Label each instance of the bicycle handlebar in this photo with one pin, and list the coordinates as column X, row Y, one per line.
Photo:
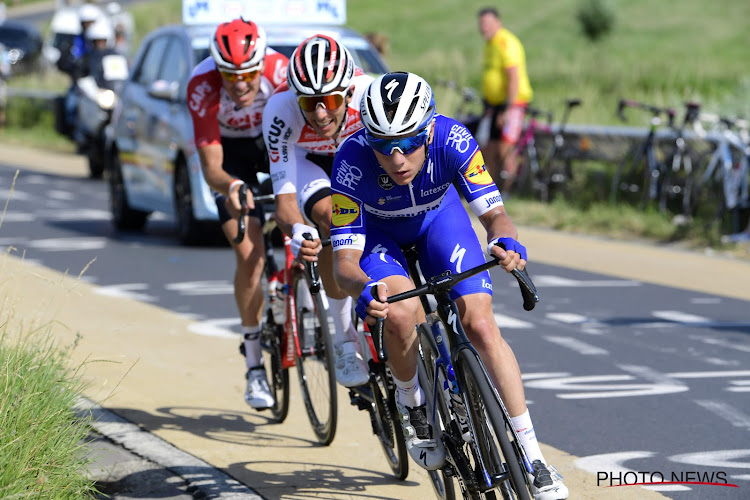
column 446, row 281
column 654, row 110
column 243, row 203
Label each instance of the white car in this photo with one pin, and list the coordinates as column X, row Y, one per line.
column 152, row 162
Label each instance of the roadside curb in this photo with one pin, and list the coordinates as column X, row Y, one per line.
column 203, row 480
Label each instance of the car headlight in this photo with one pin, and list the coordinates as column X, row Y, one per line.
column 106, row 99
column 15, row 55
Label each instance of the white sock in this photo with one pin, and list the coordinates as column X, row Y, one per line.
column 341, row 312
column 253, row 351
column 527, row 436
column 410, row 393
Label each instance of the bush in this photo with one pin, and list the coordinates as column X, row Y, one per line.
column 596, row 19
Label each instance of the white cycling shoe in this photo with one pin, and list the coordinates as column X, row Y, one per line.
column 423, row 443
column 258, row 393
column 351, row 370
column 546, row 482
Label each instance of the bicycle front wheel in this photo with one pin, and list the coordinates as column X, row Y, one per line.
column 387, row 427
column 315, row 360
column 271, row 342
column 498, row 460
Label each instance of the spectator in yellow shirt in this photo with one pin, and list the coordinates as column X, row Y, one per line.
column 506, row 92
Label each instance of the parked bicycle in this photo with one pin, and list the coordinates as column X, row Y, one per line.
column 297, row 332
column 482, row 449
column 636, row 179
column 556, row 171
column 721, row 186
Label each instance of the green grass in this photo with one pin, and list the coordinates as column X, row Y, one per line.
column 41, row 450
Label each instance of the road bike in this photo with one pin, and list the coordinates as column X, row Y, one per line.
column 296, row 332
column 677, row 179
column 722, row 184
column 482, row 449
column 636, row 179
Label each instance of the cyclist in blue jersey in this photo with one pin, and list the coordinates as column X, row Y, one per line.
column 407, row 159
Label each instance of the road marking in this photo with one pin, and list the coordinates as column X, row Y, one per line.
column 726, row 411
column 126, row 291
column 79, row 215
column 16, row 217
column 504, row 321
column 215, row 287
column 216, row 328
column 559, row 281
column 681, row 317
column 603, row 386
column 576, row 345
column 68, row 244
column 721, row 343
column 740, row 386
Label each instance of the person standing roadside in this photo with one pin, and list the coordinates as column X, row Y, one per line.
column 506, row 92
column 226, row 96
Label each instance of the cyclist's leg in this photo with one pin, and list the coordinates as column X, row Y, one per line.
column 511, row 133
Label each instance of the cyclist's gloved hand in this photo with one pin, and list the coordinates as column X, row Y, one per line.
column 297, row 231
column 366, row 297
column 509, row 244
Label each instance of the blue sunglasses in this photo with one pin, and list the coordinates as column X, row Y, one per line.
column 405, row 146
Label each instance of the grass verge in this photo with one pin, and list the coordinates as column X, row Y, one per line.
column 41, row 437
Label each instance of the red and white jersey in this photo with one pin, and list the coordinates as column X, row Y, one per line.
column 213, row 110
column 289, row 138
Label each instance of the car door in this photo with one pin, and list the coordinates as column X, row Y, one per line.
column 169, row 120
column 134, row 126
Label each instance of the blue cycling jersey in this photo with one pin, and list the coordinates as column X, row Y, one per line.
column 363, row 195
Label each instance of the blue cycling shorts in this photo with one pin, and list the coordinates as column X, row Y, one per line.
column 448, row 242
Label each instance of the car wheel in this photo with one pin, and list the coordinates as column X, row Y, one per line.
column 123, row 217
column 189, row 229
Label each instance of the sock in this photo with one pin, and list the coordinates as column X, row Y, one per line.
column 410, row 393
column 527, row 436
column 253, row 351
column 341, row 312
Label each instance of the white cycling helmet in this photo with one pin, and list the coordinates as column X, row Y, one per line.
column 89, row 13
column 396, row 104
column 101, row 30
column 320, row 65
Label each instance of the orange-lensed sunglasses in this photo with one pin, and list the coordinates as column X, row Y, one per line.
column 245, row 76
column 331, row 101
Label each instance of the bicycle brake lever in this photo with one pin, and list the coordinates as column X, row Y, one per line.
column 528, row 289
column 242, row 193
column 312, row 270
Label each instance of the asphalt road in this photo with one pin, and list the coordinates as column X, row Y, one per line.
column 635, row 360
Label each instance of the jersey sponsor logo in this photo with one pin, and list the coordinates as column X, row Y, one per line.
column 348, row 240
column 345, row 210
column 385, row 181
column 348, row 175
column 459, row 138
column 477, row 173
column 436, row 190
column 274, row 133
column 388, row 198
column 198, row 96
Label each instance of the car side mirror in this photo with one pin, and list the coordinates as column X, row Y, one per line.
column 162, row 89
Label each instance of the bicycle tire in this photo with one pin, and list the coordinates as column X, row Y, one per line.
column 493, row 442
column 442, row 482
column 629, row 183
column 387, row 427
column 271, row 342
column 315, row 360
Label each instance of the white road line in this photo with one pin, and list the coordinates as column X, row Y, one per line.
column 721, row 343
column 559, row 281
column 215, row 287
column 126, row 291
column 576, row 345
column 726, row 411
column 681, row 317
column 216, row 328
column 504, row 321
column 68, row 244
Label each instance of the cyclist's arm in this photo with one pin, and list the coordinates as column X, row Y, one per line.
column 498, row 224
column 352, row 280
column 287, row 212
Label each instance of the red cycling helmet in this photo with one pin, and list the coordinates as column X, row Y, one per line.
column 238, row 46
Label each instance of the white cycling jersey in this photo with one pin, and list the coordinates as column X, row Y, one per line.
column 289, row 139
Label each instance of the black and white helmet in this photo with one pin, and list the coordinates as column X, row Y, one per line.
column 397, row 104
column 320, row 65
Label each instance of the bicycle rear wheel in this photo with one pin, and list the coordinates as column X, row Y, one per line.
column 498, row 460
column 271, row 342
column 632, row 179
column 315, row 360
